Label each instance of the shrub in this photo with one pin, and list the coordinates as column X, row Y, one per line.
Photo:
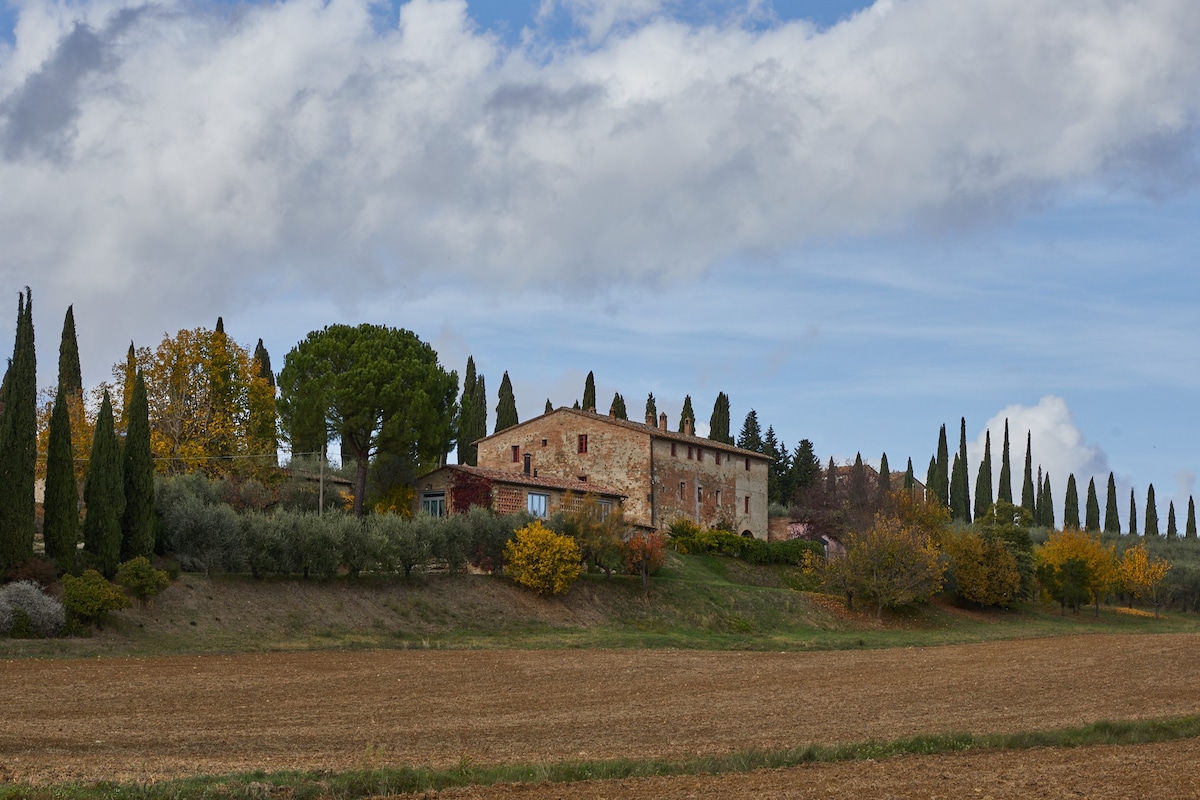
column 793, row 552
column 490, row 535
column 6, row 616
column 90, row 597
column 141, row 580
column 683, row 528
column 204, row 537
column 32, row 611
column 983, row 570
column 264, row 545
column 358, row 555
column 542, row 560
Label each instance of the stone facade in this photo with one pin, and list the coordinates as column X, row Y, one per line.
column 663, row 475
column 504, row 491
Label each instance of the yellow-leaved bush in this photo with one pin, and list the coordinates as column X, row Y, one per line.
column 542, row 560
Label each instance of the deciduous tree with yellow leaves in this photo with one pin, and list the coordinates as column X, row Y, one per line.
column 1074, row 562
column 1142, row 576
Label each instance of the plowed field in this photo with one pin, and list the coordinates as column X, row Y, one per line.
column 143, row 719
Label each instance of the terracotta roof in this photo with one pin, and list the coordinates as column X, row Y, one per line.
column 535, row 481
column 640, row 427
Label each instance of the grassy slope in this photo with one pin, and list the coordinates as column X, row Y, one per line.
column 697, row 602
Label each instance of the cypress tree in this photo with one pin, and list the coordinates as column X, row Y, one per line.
column 617, row 409
column 651, row 410
column 589, row 392
column 1151, row 528
column 1132, row 514
column 831, row 482
column 264, row 420
column 885, row 478
column 687, row 414
column 506, row 408
column 983, row 482
column 718, row 423
column 1004, row 492
column 104, row 495
column 941, row 488
column 1038, row 505
column 964, row 481
column 1092, row 522
column 70, row 377
column 18, row 442
column 931, row 479
column 958, row 503
column 910, row 480
column 576, row 406
column 858, row 483
column 137, row 519
column 549, row 407
column 1048, row 502
column 478, row 419
column 1112, row 523
column 1071, row 506
column 127, row 384
column 1190, row 531
column 751, row 436
column 60, row 523
column 1172, row 531
column 1027, row 487
column 466, row 412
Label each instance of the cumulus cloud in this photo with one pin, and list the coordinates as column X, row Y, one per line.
column 192, row 150
column 1058, row 447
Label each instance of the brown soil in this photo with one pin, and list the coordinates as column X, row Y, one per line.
column 143, row 719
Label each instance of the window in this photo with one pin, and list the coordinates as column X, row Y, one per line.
column 699, row 453
column 691, row 452
column 434, row 504
column 543, row 442
column 747, row 504
column 605, row 509
column 717, row 456
column 539, row 504
column 516, row 451
column 699, row 494
column 682, row 488
column 583, row 442
column 747, row 465
column 582, row 478
column 672, row 449
column 718, row 498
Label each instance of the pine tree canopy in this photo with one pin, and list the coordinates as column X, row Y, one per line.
column 750, row 437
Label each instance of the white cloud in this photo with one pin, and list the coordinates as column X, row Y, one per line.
column 198, row 155
column 1058, row 447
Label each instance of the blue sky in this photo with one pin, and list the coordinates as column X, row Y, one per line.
column 862, row 225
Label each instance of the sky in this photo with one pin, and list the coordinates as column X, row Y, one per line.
column 863, row 221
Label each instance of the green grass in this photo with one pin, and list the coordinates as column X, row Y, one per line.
column 408, row 780
column 697, row 602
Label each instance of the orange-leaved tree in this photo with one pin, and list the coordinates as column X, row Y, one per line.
column 644, row 554
column 1143, row 576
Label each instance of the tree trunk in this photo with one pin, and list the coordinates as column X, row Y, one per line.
column 360, row 483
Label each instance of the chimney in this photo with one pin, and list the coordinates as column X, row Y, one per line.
column 662, row 421
column 687, row 427
column 591, row 409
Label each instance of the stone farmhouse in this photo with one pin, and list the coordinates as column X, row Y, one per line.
column 655, row 474
column 453, row 489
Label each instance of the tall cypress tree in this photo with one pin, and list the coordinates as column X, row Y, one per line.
column 104, row 495
column 263, row 418
column 549, row 407
column 1071, row 506
column 958, row 503
column 687, row 414
column 1092, row 521
column 137, row 519
column 589, row 392
column 617, row 409
column 1132, row 513
column 506, row 408
column 18, row 442
column 1038, row 505
column 983, row 482
column 885, row 478
column 70, row 377
column 651, row 410
column 1190, row 531
column 127, row 384
column 1004, row 492
column 831, row 482
column 1112, row 523
column 1027, row 500
column 60, row 523
column 478, row 418
column 964, row 480
column 941, row 487
column 910, row 480
column 1151, row 513
column 931, row 479
column 718, row 423
column 858, row 483
column 1172, row 531
column 466, row 413
column 1047, row 504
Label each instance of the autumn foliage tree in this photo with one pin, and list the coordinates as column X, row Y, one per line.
column 644, row 554
column 1142, row 576
column 542, row 560
column 1073, row 563
column 984, row 569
